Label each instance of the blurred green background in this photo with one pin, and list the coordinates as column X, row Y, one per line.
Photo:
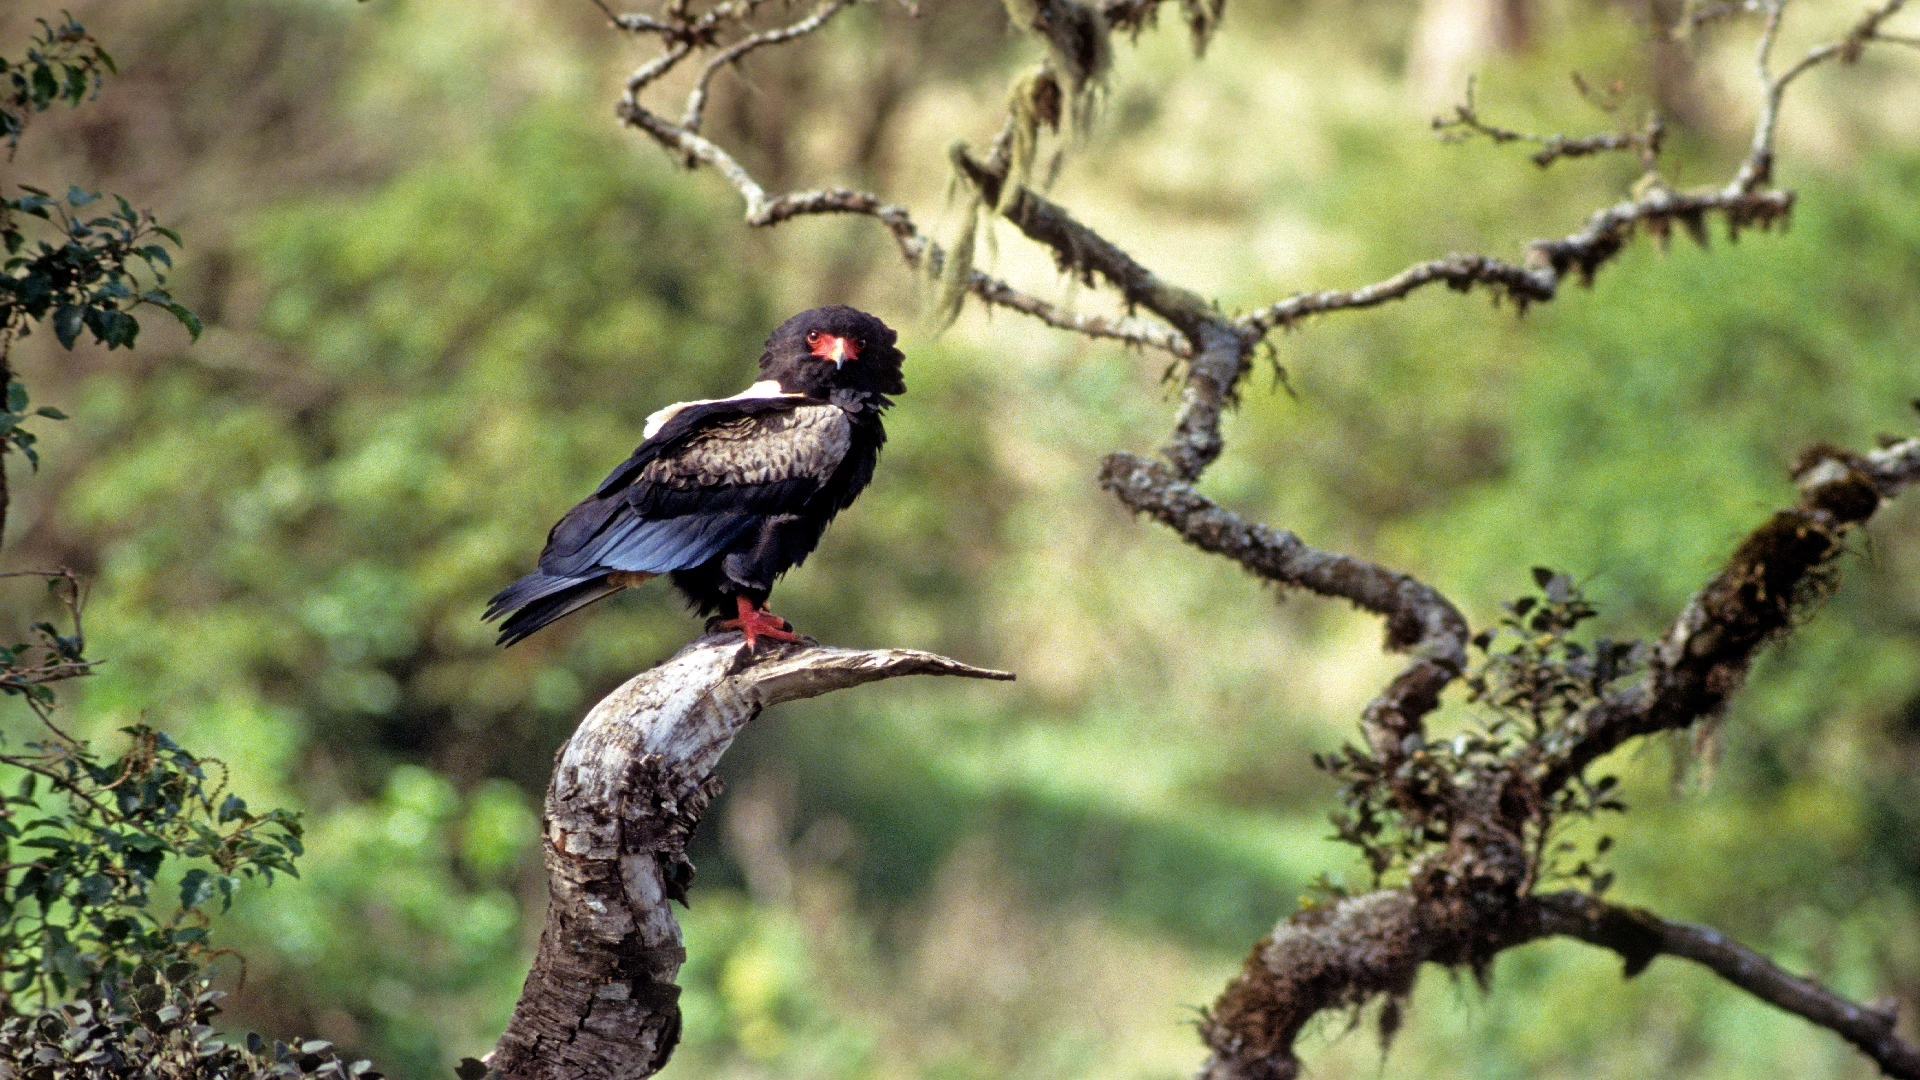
column 443, row 290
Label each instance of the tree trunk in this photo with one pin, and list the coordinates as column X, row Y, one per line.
column 627, row 790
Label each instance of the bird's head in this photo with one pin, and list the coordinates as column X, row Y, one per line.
column 833, row 348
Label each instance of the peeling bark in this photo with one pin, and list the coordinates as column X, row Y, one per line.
column 627, row 790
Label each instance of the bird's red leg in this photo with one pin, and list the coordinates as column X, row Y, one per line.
column 758, row 622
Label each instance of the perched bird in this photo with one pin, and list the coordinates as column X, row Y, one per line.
column 726, row 495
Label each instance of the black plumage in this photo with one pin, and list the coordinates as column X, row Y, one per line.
column 725, row 496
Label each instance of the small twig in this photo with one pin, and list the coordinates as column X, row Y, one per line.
column 1715, row 12
column 697, row 98
column 646, row 74
column 1466, row 122
column 1757, row 168
column 635, row 23
column 64, row 784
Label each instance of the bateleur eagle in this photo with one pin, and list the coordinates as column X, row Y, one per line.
column 725, row 495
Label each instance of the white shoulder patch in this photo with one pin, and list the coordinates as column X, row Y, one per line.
column 765, row 388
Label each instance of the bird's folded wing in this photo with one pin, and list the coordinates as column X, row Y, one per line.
column 687, row 502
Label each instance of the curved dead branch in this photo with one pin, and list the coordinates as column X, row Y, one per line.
column 1419, row 619
column 628, row 788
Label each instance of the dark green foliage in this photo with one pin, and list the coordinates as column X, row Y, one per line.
column 87, row 273
column 1529, row 691
column 84, row 838
column 1545, row 677
column 63, row 63
column 28, row 669
column 101, row 967
column 158, row 1027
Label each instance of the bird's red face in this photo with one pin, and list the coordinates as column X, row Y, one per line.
column 827, row 349
column 834, row 347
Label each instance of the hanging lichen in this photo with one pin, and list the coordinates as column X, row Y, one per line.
column 956, row 272
column 1078, row 50
column 1033, row 103
column 1203, row 18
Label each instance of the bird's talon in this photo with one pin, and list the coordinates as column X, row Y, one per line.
column 756, row 623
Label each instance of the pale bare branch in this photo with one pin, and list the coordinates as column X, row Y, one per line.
column 1757, row 168
column 628, row 789
column 697, row 98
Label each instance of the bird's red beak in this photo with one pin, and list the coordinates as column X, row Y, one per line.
column 835, row 348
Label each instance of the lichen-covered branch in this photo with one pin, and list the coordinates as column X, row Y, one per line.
column 1359, row 948
column 628, row 788
column 685, row 34
column 1776, row 570
column 1742, row 203
column 1458, row 272
column 1548, row 261
column 1467, row 900
column 1220, row 352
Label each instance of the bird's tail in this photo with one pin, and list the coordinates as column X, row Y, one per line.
column 537, row 599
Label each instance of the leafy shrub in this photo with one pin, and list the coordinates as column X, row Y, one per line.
column 156, row 1028
column 77, row 915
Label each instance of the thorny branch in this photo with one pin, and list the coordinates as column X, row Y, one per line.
column 1465, row 902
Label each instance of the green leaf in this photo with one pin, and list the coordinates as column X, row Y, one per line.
column 78, row 197
column 187, row 319
column 196, row 888
column 96, row 889
column 45, row 87
column 50, row 413
column 68, row 320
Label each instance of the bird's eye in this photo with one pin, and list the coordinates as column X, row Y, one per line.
column 813, row 337
column 859, row 343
